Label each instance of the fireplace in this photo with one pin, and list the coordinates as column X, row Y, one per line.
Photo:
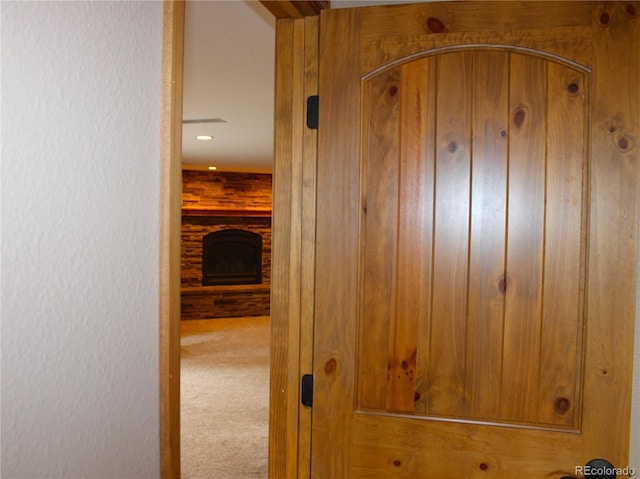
column 231, row 256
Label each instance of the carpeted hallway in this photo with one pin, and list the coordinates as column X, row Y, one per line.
column 224, row 398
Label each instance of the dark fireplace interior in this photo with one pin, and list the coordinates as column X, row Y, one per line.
column 231, row 256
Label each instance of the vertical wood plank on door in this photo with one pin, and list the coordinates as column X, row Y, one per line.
column 614, row 190
column 524, row 239
column 380, row 204
column 426, row 176
column 449, row 307
column 488, row 228
column 337, row 246
column 412, row 236
column 561, row 335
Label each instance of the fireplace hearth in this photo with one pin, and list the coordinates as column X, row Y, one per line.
column 231, row 257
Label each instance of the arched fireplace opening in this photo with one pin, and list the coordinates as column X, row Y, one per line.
column 231, row 256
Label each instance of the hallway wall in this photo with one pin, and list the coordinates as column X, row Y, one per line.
column 80, row 228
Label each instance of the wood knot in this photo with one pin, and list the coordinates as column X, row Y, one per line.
column 519, row 117
column 397, row 463
column 604, row 19
column 331, row 366
column 631, row 10
column 435, row 25
column 483, row 466
column 573, row 87
column 391, row 92
column 624, row 143
column 561, row 406
column 452, row 147
column 502, row 283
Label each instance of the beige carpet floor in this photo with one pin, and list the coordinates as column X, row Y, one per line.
column 224, row 400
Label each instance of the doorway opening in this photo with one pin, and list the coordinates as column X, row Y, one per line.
column 292, row 304
column 229, row 62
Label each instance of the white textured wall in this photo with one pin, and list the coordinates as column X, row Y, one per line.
column 80, row 224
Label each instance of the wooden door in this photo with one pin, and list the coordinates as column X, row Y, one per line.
column 476, row 239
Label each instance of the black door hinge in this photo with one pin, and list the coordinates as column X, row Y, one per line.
column 307, row 390
column 312, row 112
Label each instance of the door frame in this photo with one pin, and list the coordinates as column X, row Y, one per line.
column 293, row 223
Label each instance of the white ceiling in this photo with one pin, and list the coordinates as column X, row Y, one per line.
column 229, row 74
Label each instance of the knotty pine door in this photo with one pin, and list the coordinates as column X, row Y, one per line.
column 476, row 239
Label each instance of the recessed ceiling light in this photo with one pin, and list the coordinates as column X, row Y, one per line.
column 203, row 120
column 212, row 168
column 204, row 137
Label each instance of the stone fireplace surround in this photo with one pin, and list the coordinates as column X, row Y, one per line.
column 217, row 201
